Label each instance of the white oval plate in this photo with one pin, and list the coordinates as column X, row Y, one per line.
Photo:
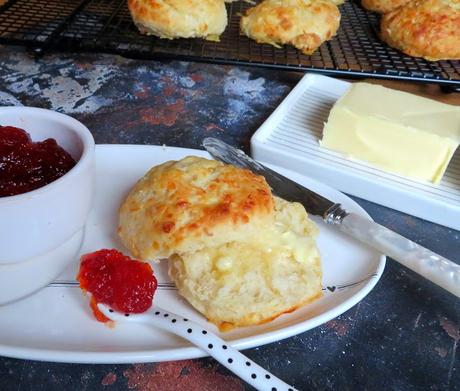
column 56, row 323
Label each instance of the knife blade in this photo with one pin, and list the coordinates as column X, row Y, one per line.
column 282, row 186
column 430, row 265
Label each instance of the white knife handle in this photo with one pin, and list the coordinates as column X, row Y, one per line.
column 430, row 265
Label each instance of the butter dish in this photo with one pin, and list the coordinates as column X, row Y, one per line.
column 290, row 138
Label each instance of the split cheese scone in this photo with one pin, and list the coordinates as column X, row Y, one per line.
column 239, row 255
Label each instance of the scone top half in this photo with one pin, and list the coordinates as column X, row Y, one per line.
column 191, row 204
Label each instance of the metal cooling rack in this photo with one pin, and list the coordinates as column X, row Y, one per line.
column 106, row 26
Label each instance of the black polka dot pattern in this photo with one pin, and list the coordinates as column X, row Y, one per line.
column 231, row 358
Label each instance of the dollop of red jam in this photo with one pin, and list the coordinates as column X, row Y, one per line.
column 114, row 279
column 26, row 165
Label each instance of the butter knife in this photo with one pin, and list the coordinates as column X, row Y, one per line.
column 428, row 264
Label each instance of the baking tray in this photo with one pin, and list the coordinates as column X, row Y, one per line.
column 289, row 138
column 106, row 26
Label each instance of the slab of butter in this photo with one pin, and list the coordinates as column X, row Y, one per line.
column 395, row 131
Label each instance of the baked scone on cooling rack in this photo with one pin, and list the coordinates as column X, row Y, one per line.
column 180, row 18
column 304, row 24
column 239, row 255
column 383, row 6
column 425, row 28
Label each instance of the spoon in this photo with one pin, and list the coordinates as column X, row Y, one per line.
column 216, row 347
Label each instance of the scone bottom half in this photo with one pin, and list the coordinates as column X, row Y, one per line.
column 238, row 254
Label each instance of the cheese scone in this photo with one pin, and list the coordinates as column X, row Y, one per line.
column 383, row 6
column 183, row 206
column 239, row 255
column 179, row 18
column 425, row 28
column 305, row 24
column 246, row 283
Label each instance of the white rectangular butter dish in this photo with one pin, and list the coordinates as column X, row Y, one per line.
column 289, row 138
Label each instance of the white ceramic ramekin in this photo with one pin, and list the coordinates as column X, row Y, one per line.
column 38, row 222
column 20, row 279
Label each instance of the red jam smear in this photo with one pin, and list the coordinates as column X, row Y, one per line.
column 114, row 279
column 26, row 165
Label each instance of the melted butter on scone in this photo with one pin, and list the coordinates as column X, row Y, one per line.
column 244, row 283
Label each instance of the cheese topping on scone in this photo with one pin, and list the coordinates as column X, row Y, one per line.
column 192, row 204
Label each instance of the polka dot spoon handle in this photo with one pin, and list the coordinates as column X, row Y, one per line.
column 216, row 347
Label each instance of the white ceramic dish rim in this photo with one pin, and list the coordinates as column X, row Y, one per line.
column 180, row 353
column 85, row 136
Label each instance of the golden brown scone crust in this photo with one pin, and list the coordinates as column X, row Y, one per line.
column 190, row 204
column 179, row 18
column 425, row 28
column 383, row 6
column 241, row 284
column 305, row 24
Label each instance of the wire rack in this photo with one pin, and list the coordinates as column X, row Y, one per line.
column 106, row 26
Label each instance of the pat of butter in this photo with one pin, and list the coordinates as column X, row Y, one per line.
column 394, row 131
column 224, row 263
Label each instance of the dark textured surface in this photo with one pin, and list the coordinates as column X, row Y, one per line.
column 402, row 336
column 105, row 26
